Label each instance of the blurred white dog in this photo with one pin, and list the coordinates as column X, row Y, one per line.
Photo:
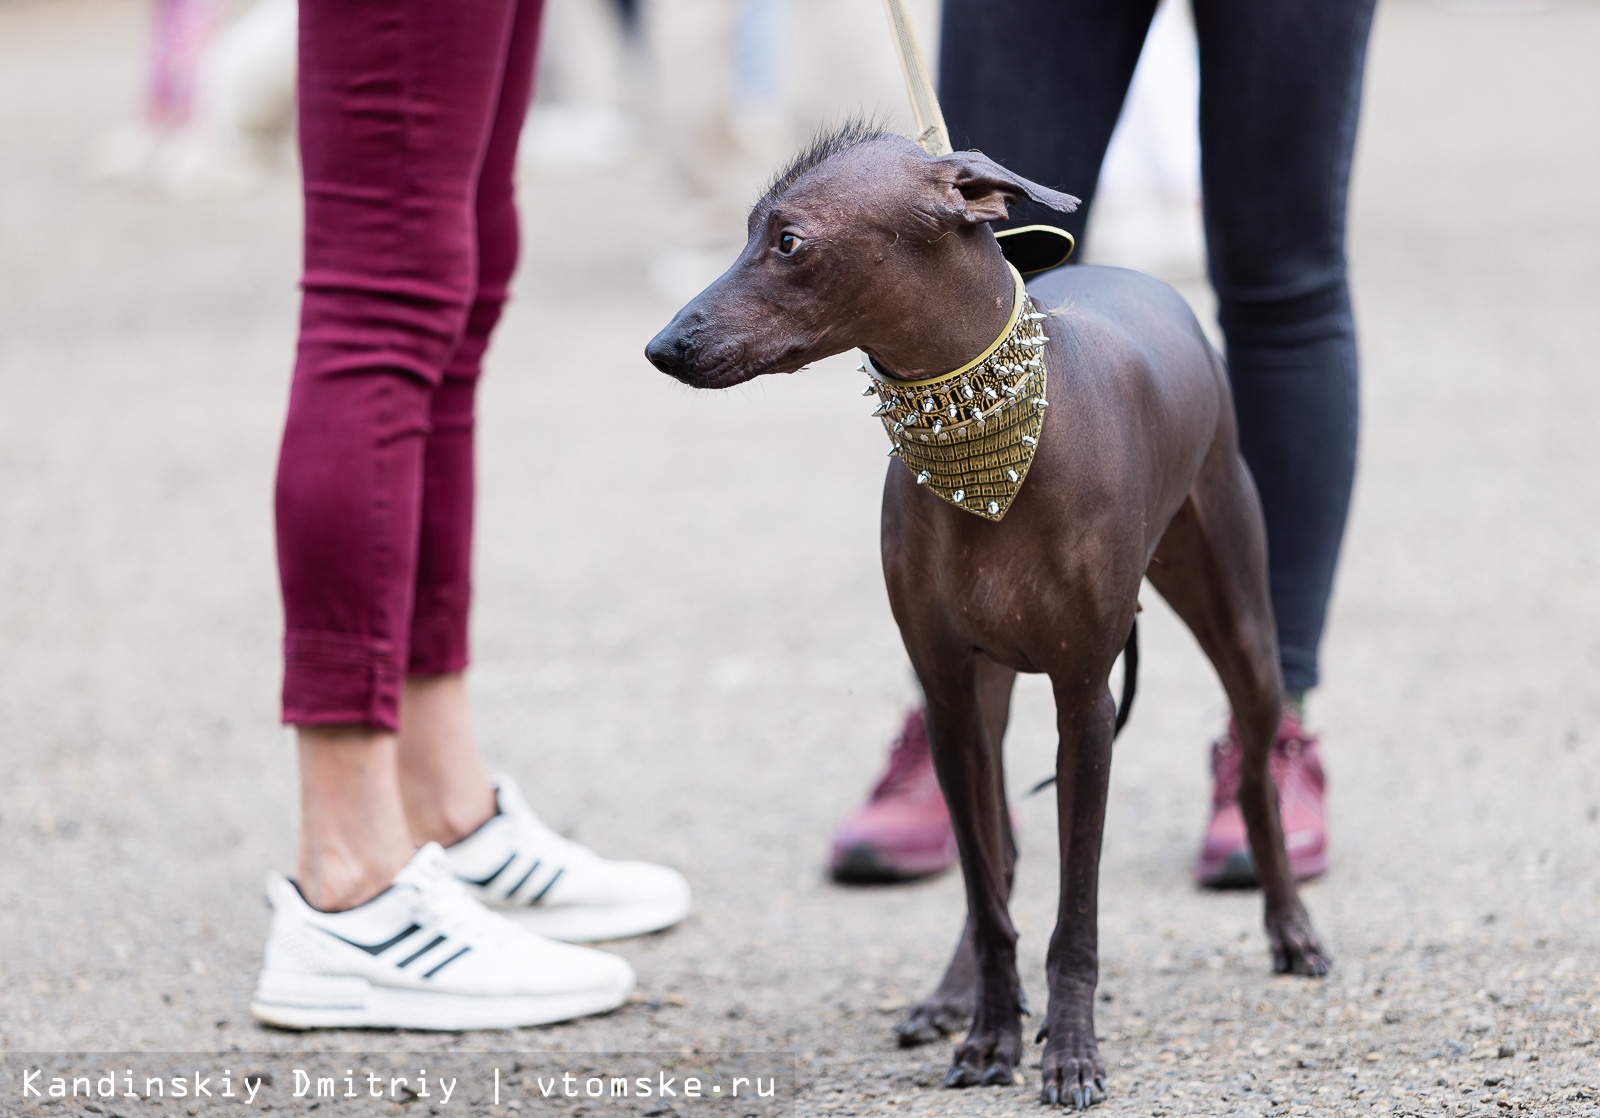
column 242, row 121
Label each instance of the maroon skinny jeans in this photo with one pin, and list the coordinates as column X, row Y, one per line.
column 409, row 116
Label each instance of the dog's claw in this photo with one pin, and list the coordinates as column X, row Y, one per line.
column 1043, row 1034
column 931, row 1020
column 1295, row 949
column 996, row 1075
column 1073, row 1075
column 1310, row 964
column 956, row 1077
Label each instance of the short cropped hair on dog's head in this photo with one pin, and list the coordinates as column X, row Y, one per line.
column 823, row 146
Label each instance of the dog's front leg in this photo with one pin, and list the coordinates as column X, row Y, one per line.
column 949, row 1007
column 1073, row 1073
column 973, row 781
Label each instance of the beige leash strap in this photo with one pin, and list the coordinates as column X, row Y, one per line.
column 932, row 135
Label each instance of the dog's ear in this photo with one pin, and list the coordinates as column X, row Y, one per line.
column 988, row 190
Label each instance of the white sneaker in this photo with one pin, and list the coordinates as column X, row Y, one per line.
column 423, row 954
column 553, row 886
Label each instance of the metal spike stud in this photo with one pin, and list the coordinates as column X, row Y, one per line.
column 966, row 391
column 899, row 426
column 894, row 451
column 881, row 408
column 958, row 496
column 1013, row 477
column 952, row 411
column 994, row 508
column 1041, row 402
column 1029, row 440
column 1036, row 316
column 991, row 393
column 861, row 368
column 1035, row 363
column 924, row 477
column 938, row 425
column 869, row 390
column 927, row 403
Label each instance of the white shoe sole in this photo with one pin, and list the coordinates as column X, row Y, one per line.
column 324, row 1002
column 593, row 923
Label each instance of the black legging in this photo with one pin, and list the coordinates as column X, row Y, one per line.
column 1038, row 85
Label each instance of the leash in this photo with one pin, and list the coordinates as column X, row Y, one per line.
column 932, row 136
column 1030, row 248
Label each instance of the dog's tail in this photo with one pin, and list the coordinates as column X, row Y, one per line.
column 1130, row 687
column 1130, row 679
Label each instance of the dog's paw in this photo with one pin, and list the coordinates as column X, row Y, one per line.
column 985, row 1060
column 1295, row 947
column 1073, row 1075
column 933, row 1020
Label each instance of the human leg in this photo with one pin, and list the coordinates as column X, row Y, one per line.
column 1279, row 99
column 445, row 783
column 1280, row 94
column 389, row 268
column 353, row 834
column 394, row 103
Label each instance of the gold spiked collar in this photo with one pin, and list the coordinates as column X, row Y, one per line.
column 969, row 435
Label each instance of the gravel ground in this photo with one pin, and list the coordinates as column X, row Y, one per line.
column 684, row 652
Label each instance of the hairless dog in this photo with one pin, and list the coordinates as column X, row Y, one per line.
column 864, row 241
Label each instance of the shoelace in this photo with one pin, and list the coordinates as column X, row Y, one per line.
column 446, row 903
column 905, row 758
column 1287, row 750
column 1225, row 760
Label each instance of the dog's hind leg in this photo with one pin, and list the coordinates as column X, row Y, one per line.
column 1211, row 566
column 1073, row 1073
column 949, row 1007
column 972, row 778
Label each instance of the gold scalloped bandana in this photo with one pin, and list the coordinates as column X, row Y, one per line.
column 970, row 435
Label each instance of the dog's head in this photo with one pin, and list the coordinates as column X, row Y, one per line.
column 860, row 239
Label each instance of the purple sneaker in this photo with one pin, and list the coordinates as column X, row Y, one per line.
column 1296, row 768
column 903, row 830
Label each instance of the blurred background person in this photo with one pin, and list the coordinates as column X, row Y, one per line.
column 179, row 32
column 734, row 85
column 221, row 110
column 1280, row 90
column 585, row 109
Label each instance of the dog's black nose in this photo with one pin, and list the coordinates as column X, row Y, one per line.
column 665, row 351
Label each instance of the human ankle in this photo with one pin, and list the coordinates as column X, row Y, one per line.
column 1295, row 701
column 334, row 881
column 443, row 781
column 449, row 823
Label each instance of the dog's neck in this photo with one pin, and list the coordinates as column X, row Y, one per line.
column 969, row 433
column 959, row 312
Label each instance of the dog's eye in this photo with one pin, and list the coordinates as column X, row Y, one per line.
column 788, row 244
